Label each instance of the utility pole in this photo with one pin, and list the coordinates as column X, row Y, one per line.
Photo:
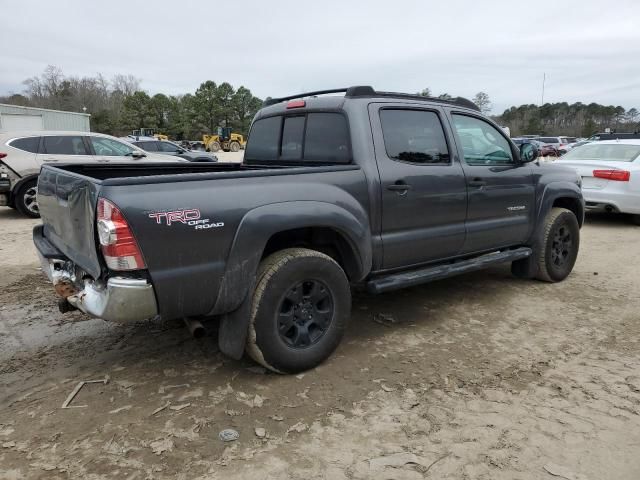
column 544, row 78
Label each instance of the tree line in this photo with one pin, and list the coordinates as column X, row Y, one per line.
column 119, row 105
column 576, row 119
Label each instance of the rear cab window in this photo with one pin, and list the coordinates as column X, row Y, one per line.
column 306, row 138
column 26, row 144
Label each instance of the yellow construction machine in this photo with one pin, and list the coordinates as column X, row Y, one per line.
column 224, row 140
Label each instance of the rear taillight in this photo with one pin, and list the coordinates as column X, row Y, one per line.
column 119, row 246
column 617, row 175
column 2, row 155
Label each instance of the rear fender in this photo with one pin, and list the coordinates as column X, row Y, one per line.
column 259, row 224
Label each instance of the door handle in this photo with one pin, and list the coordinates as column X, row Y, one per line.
column 477, row 182
column 400, row 186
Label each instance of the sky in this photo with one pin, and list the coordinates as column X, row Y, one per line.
column 589, row 51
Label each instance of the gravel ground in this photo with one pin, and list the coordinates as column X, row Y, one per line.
column 479, row 376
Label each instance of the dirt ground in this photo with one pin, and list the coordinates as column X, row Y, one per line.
column 481, row 376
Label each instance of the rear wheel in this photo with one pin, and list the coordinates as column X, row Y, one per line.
column 234, row 146
column 214, row 147
column 301, row 306
column 25, row 200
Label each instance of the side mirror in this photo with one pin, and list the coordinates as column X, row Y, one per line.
column 528, row 152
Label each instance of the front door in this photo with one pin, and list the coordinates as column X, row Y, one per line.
column 423, row 191
column 500, row 187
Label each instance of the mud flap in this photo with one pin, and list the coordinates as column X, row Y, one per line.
column 234, row 327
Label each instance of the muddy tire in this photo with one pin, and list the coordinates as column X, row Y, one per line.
column 300, row 309
column 25, row 199
column 214, row 147
column 234, row 146
column 559, row 245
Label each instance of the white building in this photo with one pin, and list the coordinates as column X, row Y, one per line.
column 15, row 118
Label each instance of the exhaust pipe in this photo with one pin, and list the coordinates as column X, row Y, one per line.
column 195, row 327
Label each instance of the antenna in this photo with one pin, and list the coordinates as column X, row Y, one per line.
column 544, row 78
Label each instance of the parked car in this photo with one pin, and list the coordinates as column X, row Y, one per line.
column 552, row 145
column 596, row 137
column 544, row 149
column 610, row 171
column 567, row 143
column 377, row 189
column 165, row 147
column 23, row 153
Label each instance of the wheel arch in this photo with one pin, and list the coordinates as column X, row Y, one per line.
column 18, row 185
column 561, row 194
column 326, row 227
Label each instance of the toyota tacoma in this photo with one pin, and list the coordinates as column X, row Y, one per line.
column 338, row 188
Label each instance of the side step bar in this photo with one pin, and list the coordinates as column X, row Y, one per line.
column 396, row 281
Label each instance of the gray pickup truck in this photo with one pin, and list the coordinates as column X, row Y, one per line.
column 371, row 189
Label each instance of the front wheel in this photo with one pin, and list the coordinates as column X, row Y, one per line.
column 557, row 249
column 25, row 200
column 214, row 147
column 560, row 244
column 301, row 306
column 234, row 146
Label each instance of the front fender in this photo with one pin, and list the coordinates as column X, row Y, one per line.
column 259, row 224
column 552, row 192
column 556, row 190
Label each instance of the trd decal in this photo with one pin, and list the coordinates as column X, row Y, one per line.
column 189, row 217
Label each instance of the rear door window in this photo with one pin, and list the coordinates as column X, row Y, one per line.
column 327, row 138
column 147, row 146
column 414, row 136
column 167, row 147
column 27, row 144
column 64, row 145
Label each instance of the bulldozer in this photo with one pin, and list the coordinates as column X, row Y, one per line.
column 149, row 132
column 225, row 140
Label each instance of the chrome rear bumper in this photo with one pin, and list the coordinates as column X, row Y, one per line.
column 121, row 300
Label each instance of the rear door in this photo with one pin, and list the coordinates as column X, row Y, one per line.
column 64, row 149
column 424, row 195
column 501, row 192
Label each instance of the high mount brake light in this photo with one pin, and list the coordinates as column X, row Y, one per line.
column 616, row 175
column 296, row 104
column 118, row 244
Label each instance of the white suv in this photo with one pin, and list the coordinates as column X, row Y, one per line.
column 22, row 154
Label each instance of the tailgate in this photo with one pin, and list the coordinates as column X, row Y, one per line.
column 67, row 203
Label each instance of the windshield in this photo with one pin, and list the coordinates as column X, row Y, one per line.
column 604, row 152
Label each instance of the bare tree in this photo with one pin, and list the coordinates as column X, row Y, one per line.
column 127, row 84
column 483, row 102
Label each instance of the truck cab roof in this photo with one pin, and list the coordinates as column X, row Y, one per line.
column 332, row 100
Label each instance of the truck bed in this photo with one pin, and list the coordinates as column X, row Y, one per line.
column 148, row 173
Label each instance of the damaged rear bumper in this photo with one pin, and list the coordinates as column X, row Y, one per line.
column 120, row 299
